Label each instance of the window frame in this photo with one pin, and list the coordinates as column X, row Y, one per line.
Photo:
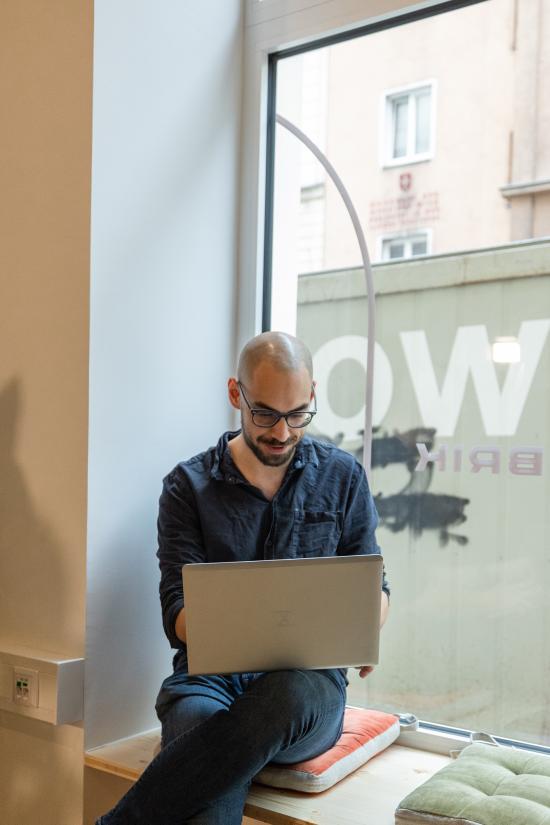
column 407, row 236
column 272, row 31
column 387, row 161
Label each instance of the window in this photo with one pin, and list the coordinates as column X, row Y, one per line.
column 408, row 124
column 313, row 111
column 462, row 352
column 311, row 228
column 405, row 246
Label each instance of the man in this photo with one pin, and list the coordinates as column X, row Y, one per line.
column 267, row 491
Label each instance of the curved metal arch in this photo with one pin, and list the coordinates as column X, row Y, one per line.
column 367, row 442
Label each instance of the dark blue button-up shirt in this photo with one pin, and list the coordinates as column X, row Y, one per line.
column 210, row 512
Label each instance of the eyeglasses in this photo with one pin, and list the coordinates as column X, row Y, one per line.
column 268, row 418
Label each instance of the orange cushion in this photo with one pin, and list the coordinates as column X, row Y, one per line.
column 366, row 733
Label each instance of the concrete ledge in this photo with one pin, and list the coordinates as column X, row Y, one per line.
column 525, row 259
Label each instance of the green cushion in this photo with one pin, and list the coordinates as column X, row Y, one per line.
column 485, row 786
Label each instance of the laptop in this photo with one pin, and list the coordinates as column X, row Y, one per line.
column 285, row 613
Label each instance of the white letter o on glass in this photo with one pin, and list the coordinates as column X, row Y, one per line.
column 327, row 357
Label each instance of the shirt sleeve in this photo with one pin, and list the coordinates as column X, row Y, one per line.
column 179, row 542
column 360, row 522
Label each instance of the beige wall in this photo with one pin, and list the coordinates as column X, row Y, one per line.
column 457, row 193
column 45, row 94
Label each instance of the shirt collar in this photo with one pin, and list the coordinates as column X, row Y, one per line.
column 305, row 454
column 223, row 466
column 222, row 456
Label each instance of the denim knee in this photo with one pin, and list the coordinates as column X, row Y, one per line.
column 295, row 692
column 183, row 715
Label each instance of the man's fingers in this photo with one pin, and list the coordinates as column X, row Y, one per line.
column 364, row 671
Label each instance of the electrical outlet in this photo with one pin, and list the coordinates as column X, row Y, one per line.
column 25, row 687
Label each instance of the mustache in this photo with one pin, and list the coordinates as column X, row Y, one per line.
column 273, row 442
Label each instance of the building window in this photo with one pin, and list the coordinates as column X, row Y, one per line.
column 311, row 230
column 409, row 121
column 397, row 247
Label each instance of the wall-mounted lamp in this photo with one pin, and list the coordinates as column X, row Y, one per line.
column 506, row 351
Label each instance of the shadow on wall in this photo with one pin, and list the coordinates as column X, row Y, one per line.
column 32, row 588
column 30, row 770
column 33, row 612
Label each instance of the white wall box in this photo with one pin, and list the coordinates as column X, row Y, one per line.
column 59, row 691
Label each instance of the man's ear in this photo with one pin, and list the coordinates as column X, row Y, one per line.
column 234, row 393
column 313, row 385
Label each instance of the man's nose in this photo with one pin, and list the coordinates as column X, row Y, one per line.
column 280, row 430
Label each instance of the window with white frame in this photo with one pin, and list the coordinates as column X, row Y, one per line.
column 447, row 445
column 396, row 247
column 409, row 123
column 311, row 228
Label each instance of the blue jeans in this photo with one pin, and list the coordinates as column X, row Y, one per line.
column 219, row 733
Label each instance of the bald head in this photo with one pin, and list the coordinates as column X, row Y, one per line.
column 282, row 352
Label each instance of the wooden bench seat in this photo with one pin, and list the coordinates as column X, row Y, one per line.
column 369, row 796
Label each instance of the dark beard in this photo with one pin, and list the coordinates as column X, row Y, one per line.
column 268, row 460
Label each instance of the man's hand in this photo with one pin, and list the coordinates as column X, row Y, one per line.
column 384, row 607
column 181, row 627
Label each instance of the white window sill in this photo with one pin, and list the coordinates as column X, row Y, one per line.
column 406, row 161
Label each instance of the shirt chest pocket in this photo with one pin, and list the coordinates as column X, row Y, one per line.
column 316, row 532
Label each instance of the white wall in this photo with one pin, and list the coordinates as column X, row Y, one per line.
column 166, row 132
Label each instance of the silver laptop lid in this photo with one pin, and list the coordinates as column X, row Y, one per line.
column 283, row 613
